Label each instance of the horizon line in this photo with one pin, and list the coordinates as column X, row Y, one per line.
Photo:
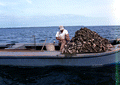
column 56, row 26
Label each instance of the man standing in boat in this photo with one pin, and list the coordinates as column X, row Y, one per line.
column 62, row 36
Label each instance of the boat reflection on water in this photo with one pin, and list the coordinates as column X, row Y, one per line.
column 104, row 75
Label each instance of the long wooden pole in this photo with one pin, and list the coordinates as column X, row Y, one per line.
column 43, row 44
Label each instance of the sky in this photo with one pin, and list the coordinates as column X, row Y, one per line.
column 30, row 13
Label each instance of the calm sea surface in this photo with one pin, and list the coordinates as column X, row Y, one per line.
column 57, row 75
column 25, row 35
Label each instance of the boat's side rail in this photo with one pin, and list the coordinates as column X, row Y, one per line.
column 52, row 55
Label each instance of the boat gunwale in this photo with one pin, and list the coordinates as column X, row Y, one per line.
column 62, row 56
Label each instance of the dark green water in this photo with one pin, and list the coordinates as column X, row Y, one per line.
column 60, row 75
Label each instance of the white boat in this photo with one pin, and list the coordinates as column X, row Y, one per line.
column 37, row 58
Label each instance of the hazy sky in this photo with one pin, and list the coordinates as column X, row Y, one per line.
column 22, row 13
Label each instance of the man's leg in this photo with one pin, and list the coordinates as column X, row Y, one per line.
column 62, row 44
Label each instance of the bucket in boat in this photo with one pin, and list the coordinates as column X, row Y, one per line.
column 50, row 47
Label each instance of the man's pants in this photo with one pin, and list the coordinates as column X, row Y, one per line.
column 62, row 44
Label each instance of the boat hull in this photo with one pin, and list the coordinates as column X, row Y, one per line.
column 62, row 61
column 52, row 58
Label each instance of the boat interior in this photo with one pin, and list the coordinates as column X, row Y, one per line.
column 57, row 48
column 28, row 46
column 36, row 46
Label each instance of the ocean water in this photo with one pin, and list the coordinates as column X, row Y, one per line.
column 57, row 75
column 25, row 35
column 60, row 75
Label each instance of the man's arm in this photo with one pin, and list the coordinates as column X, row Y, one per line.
column 67, row 37
column 118, row 39
column 58, row 38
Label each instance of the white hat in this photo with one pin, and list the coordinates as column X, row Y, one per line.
column 61, row 27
